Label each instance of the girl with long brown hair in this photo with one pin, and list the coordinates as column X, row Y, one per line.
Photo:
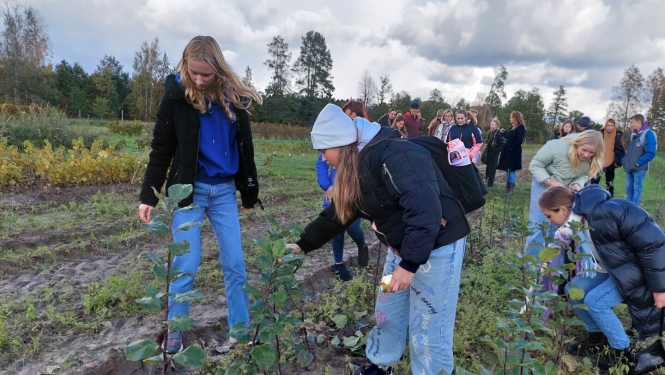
column 398, row 187
column 202, row 137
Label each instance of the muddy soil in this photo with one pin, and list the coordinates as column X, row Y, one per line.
column 100, row 351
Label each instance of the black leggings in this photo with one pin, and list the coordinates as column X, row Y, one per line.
column 609, row 178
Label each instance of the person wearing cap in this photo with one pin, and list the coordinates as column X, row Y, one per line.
column 412, row 120
column 412, row 214
column 584, row 124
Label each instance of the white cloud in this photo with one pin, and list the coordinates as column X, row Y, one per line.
column 451, row 45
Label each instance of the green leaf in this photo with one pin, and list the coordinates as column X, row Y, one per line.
column 240, row 333
column 304, row 358
column 192, row 295
column 180, row 322
column 350, row 341
column 264, row 356
column 178, row 192
column 273, row 222
column 151, row 303
column 156, row 226
column 233, row 369
column 279, row 298
column 190, row 224
column 154, row 257
column 160, row 272
column 271, row 330
column 335, row 341
column 161, row 217
column 193, row 356
column 158, row 359
column 548, row 253
column 151, row 291
column 575, row 292
column 340, row 321
column 179, row 248
column 141, row 349
column 538, row 368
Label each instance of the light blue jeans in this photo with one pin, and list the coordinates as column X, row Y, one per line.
column 357, row 235
column 601, row 295
column 535, row 242
column 218, row 202
column 511, row 176
column 634, row 182
column 425, row 314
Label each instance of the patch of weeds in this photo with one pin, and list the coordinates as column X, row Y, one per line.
column 115, row 296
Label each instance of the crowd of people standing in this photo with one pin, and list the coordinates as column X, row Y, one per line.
column 202, row 137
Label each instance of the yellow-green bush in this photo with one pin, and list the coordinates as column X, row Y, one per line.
column 62, row 167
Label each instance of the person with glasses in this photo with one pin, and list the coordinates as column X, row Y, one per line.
column 614, row 152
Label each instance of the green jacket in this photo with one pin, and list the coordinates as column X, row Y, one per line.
column 552, row 162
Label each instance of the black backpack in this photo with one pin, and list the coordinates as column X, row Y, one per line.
column 465, row 182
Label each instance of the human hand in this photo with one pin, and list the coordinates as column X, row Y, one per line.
column 295, row 248
column 660, row 299
column 144, row 212
column 549, row 182
column 401, row 280
column 576, row 187
column 329, row 194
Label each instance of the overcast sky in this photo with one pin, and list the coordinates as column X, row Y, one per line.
column 454, row 46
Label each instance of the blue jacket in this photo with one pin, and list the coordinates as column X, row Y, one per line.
column 325, row 176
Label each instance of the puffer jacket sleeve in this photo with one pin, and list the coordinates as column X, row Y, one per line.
column 410, row 178
column 164, row 143
column 320, row 231
column 543, row 159
column 646, row 240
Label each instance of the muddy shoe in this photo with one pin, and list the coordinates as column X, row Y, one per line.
column 593, row 344
column 617, row 357
column 173, row 343
column 341, row 272
column 363, row 257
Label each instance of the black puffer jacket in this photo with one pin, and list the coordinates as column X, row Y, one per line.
column 631, row 246
column 407, row 205
column 175, row 144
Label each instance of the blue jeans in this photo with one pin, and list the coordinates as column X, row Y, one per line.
column 511, row 176
column 634, row 185
column 425, row 314
column 601, row 295
column 218, row 202
column 535, row 242
column 357, row 235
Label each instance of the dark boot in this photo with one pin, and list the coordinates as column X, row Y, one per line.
column 341, row 272
column 610, row 188
column 507, row 188
column 511, row 188
column 616, row 357
column 363, row 257
column 593, row 344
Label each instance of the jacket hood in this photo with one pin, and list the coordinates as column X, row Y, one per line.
column 366, row 131
column 588, row 198
column 173, row 88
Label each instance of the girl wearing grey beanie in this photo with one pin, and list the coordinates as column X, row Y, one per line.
column 396, row 185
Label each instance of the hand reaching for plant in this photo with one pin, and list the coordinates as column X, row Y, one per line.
column 144, row 212
column 296, row 249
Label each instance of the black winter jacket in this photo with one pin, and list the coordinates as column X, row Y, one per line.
column 511, row 155
column 406, row 205
column 632, row 248
column 175, row 145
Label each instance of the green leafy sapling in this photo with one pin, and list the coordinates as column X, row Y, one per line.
column 155, row 300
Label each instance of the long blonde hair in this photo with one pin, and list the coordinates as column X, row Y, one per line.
column 346, row 191
column 227, row 87
column 589, row 137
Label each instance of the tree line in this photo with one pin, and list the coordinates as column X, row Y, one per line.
column 297, row 91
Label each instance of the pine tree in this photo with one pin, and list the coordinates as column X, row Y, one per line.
column 313, row 67
column 558, row 107
column 279, row 63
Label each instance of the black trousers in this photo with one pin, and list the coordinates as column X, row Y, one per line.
column 609, row 178
column 490, row 171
